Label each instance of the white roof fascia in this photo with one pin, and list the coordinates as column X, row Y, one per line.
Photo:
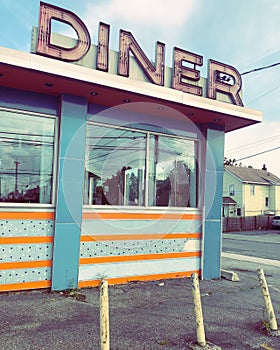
column 77, row 72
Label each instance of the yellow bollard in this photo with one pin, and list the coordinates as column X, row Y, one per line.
column 269, row 308
column 104, row 316
column 200, row 334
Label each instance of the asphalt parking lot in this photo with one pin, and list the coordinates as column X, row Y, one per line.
column 145, row 315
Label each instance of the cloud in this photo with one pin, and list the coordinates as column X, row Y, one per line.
column 144, row 17
column 261, row 33
column 162, row 13
column 253, row 140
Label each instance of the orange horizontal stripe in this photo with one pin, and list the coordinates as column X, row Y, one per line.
column 26, row 240
column 124, row 280
column 26, row 215
column 13, row 265
column 123, row 258
column 128, row 237
column 24, row 286
column 139, row 216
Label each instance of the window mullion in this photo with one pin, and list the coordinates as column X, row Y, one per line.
column 146, row 203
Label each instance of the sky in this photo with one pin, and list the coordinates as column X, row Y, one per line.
column 241, row 33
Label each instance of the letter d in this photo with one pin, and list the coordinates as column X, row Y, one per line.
column 44, row 46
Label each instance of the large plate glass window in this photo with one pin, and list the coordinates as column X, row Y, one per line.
column 138, row 168
column 26, row 158
column 172, row 172
column 115, row 166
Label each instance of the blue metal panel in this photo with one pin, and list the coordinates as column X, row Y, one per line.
column 177, row 124
column 70, row 190
column 213, row 203
column 215, row 149
column 69, row 193
column 112, row 115
column 213, row 195
column 212, row 250
column 28, row 101
column 66, row 256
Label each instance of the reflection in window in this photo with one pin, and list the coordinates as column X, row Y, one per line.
column 137, row 168
column 115, row 166
column 26, row 158
column 172, row 172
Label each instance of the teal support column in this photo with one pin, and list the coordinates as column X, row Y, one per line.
column 69, row 200
column 213, row 193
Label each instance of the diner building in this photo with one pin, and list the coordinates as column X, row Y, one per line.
column 111, row 166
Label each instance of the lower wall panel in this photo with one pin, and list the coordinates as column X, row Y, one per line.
column 129, row 247
column 138, row 268
column 124, row 280
column 123, row 248
column 26, row 246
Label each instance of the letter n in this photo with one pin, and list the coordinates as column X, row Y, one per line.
column 154, row 73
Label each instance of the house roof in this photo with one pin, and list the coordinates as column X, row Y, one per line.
column 251, row 175
column 228, row 201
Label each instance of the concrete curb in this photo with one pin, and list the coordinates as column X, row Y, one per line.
column 229, row 275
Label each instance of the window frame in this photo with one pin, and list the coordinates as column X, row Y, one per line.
column 231, row 192
column 252, row 190
column 55, row 158
column 198, row 159
column 266, row 202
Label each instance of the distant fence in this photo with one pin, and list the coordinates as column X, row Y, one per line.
column 248, row 223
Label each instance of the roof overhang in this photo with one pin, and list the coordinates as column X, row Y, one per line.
column 228, row 201
column 35, row 73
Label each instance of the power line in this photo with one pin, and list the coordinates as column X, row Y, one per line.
column 261, row 68
column 257, row 154
column 253, row 144
column 256, row 70
column 266, row 93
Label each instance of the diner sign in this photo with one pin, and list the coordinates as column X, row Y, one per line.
column 221, row 77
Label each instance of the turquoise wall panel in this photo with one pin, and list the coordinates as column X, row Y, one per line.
column 213, row 182
column 69, row 192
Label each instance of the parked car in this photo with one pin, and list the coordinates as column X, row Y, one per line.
column 275, row 223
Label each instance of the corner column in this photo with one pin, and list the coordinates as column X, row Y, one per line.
column 213, row 193
column 69, row 201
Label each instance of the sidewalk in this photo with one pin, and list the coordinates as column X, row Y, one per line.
column 256, row 235
column 142, row 316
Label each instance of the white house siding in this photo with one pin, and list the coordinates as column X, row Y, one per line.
column 255, row 204
column 251, row 205
column 232, row 180
column 275, row 199
column 272, row 198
